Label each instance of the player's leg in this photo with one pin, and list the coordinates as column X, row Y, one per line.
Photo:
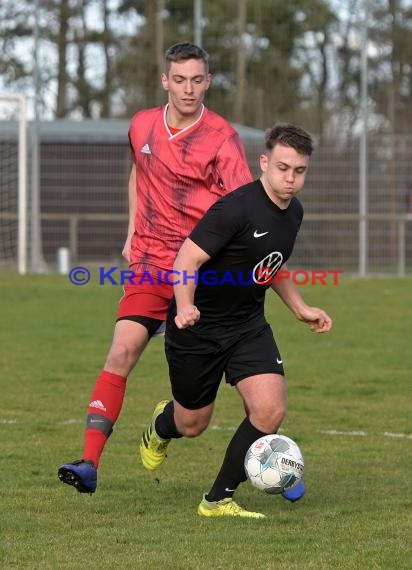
column 266, row 404
column 255, row 368
column 261, row 354
column 219, row 500
column 106, row 401
column 265, row 398
column 170, row 420
column 249, row 354
column 130, row 338
column 194, row 381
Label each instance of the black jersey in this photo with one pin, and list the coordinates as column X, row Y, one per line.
column 248, row 238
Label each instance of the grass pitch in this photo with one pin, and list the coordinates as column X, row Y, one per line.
column 349, row 410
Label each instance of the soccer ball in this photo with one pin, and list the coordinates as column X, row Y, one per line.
column 274, row 463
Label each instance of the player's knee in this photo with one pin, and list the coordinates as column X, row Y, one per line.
column 269, row 419
column 191, row 431
column 192, row 428
column 122, row 355
column 277, row 418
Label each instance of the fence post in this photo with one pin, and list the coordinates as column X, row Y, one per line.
column 73, row 237
column 401, row 247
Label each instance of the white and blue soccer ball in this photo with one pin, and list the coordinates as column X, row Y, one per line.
column 274, row 464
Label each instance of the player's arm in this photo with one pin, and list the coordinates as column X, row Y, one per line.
column 132, row 212
column 187, row 263
column 317, row 319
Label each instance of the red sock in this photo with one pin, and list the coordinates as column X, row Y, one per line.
column 104, row 409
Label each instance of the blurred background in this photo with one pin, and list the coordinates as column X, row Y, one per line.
column 73, row 73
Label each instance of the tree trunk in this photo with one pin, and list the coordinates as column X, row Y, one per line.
column 240, row 63
column 107, row 88
column 159, row 46
column 61, row 102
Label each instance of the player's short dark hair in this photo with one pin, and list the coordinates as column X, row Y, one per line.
column 289, row 135
column 184, row 51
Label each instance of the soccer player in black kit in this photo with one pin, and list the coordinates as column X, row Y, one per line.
column 216, row 323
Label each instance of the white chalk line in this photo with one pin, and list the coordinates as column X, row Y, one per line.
column 366, row 434
column 340, row 433
column 332, row 432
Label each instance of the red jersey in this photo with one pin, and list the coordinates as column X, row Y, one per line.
column 179, row 176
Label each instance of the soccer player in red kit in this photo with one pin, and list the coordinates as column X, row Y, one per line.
column 186, row 157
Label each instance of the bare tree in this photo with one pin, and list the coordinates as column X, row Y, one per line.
column 64, row 13
column 240, row 62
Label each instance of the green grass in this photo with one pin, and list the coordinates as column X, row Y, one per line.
column 356, row 515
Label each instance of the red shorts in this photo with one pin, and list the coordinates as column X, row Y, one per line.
column 146, row 298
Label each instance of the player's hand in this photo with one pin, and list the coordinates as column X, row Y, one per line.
column 187, row 317
column 317, row 319
column 126, row 254
column 126, row 249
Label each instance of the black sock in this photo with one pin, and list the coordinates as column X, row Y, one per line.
column 165, row 423
column 232, row 472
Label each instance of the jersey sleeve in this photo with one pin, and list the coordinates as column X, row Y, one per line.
column 232, row 165
column 217, row 227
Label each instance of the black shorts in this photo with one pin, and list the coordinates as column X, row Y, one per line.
column 155, row 327
column 197, row 364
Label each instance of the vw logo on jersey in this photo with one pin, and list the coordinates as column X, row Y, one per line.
column 264, row 271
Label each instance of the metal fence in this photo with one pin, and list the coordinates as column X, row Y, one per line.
column 83, row 202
